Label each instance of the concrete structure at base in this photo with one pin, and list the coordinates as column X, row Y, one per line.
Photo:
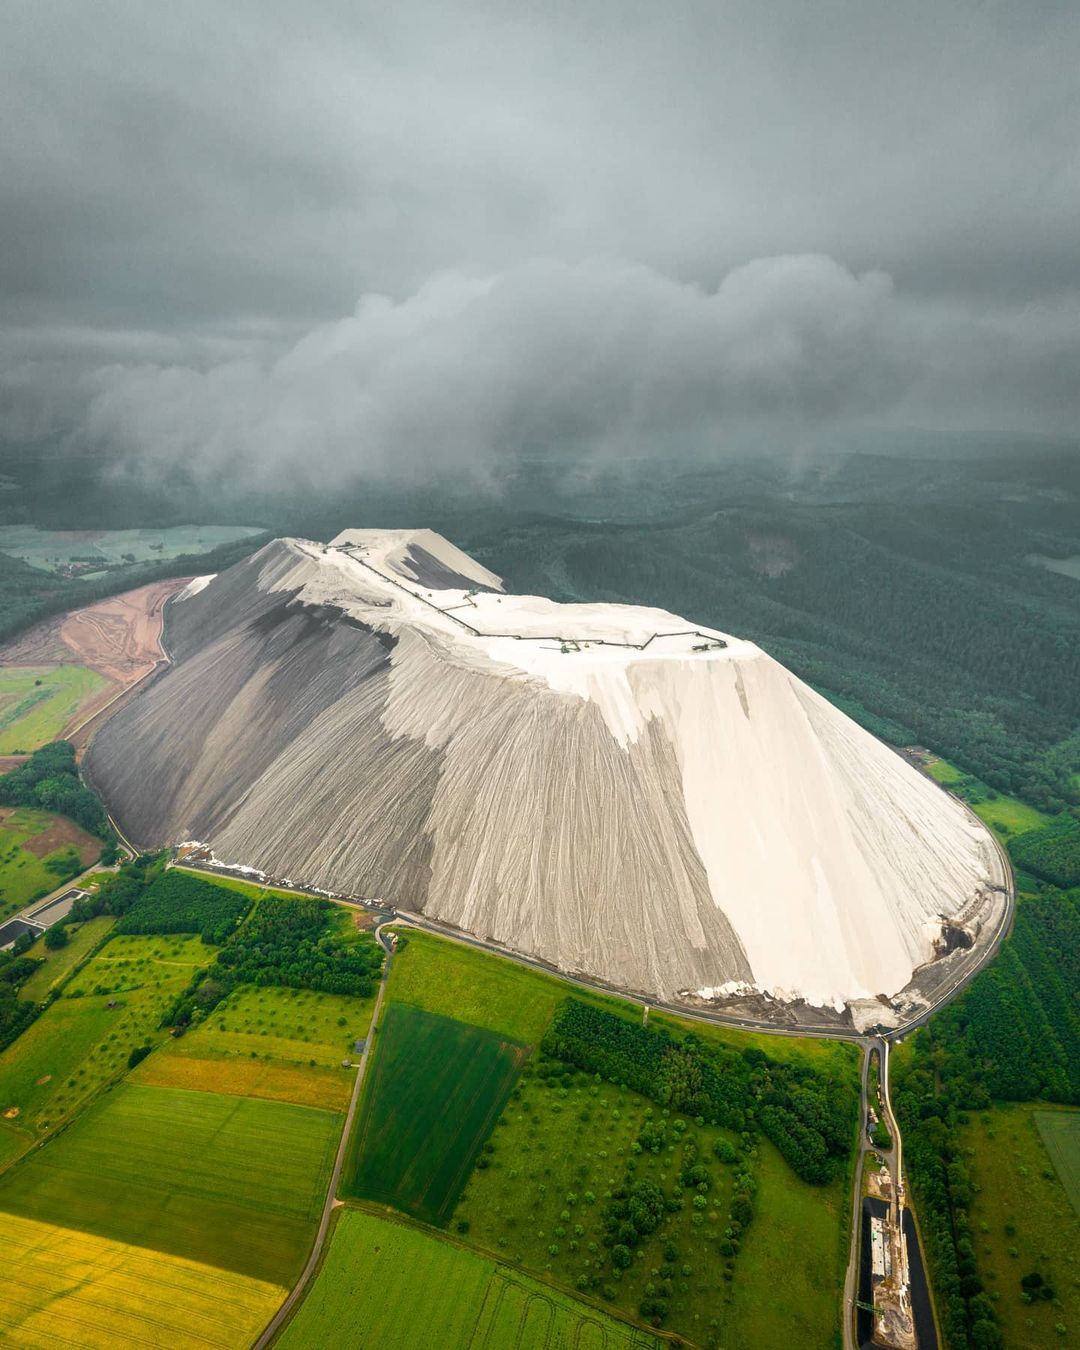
column 880, row 1264
column 35, row 920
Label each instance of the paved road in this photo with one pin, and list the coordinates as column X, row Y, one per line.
column 332, row 1201
column 894, row 1160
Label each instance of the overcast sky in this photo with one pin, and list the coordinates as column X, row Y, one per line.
column 350, row 237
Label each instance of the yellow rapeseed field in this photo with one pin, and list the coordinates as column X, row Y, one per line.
column 64, row 1288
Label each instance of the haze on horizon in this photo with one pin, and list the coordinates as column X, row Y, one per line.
column 347, row 239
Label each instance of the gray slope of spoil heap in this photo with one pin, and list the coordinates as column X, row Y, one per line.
column 267, row 740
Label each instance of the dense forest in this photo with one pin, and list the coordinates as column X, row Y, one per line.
column 1013, row 1035
column 810, row 1116
column 50, row 780
column 16, row 1014
column 1051, row 853
column 177, row 902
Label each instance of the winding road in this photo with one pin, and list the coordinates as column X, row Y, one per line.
column 332, row 1202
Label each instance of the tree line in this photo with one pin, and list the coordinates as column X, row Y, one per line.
column 16, row 1013
column 297, row 942
column 808, row 1114
column 49, row 780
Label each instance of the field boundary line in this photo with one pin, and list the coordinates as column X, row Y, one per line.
column 510, row 1269
column 292, row 1301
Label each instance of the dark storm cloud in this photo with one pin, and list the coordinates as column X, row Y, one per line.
column 592, row 226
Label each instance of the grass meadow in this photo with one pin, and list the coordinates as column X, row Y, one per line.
column 367, row 1294
column 13, row 1142
column 232, row 1182
column 434, row 1091
column 455, row 980
column 37, row 703
column 487, row 991
column 1005, row 815
column 1024, row 1221
column 59, row 964
column 64, row 1287
column 1060, row 1135
column 79, row 1042
column 24, row 876
column 791, row 1268
column 490, row 991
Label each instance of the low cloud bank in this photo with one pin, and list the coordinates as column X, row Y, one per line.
column 601, row 358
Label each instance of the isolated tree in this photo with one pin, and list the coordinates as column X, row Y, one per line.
column 56, row 936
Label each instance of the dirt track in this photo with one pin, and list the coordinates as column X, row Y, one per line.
column 120, row 638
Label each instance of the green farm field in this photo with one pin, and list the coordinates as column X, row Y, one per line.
column 1060, row 1135
column 329, row 1089
column 37, row 702
column 557, row 1150
column 79, row 1042
column 267, row 1041
column 469, row 1302
column 1004, row 814
column 1023, row 1221
column 29, row 839
column 60, row 963
column 226, row 1181
column 434, row 1091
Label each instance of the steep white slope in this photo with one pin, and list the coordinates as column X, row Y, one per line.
column 613, row 789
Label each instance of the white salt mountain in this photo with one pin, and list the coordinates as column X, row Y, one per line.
column 614, row 790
